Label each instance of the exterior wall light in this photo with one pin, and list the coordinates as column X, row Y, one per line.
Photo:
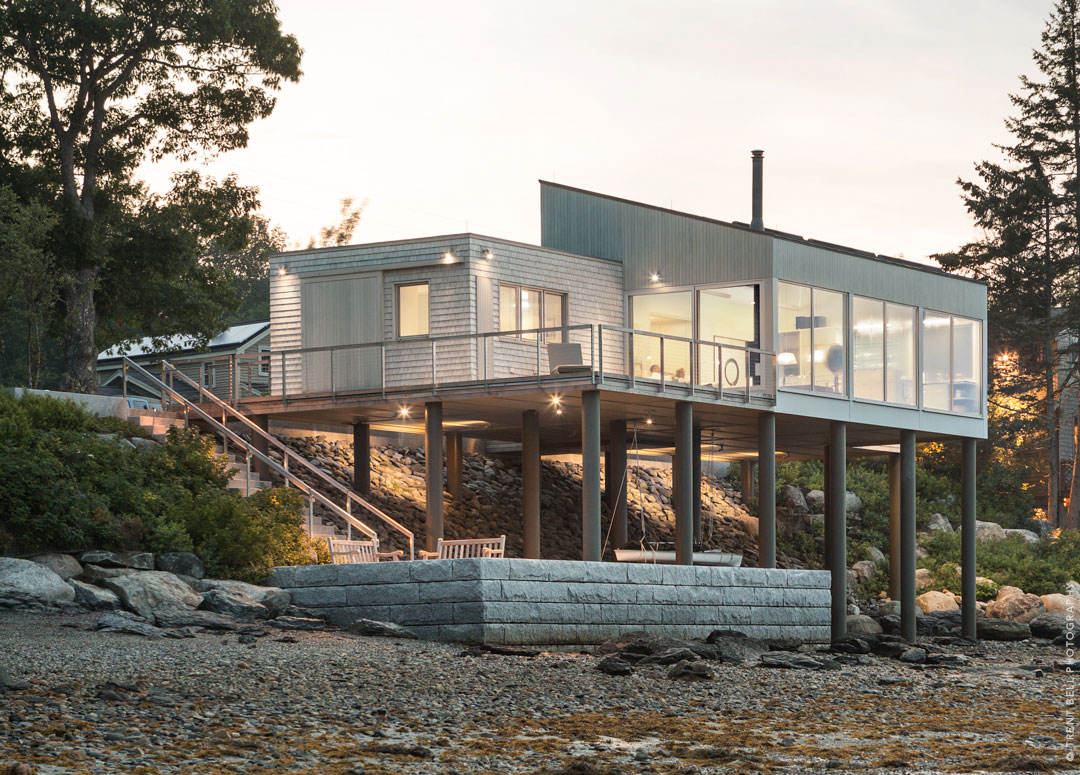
column 489, row 254
column 403, row 413
column 654, row 277
column 448, row 257
column 282, row 270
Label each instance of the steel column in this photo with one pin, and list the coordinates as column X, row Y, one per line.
column 433, row 464
column 361, row 445
column 682, row 481
column 530, row 482
column 696, row 484
column 836, row 529
column 766, row 490
column 907, row 536
column 894, row 526
column 746, row 480
column 454, row 464
column 616, row 478
column 967, row 539
column 591, row 547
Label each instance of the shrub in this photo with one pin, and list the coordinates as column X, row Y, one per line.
column 1041, row 568
column 244, row 538
column 985, row 590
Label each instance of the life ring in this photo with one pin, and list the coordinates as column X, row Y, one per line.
column 731, row 381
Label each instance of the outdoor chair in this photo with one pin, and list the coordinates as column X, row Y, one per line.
column 466, row 547
column 565, row 358
column 344, row 552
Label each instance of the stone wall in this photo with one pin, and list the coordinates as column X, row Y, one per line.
column 515, row 601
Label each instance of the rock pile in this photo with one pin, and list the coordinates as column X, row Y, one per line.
column 491, row 503
column 138, row 599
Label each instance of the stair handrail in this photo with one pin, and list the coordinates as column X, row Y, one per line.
column 289, row 452
column 250, row 449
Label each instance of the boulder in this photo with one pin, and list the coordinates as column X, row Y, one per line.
column 1072, row 588
column 999, row 629
column 815, row 498
column 670, row 657
column 735, row 648
column 147, row 592
column 117, row 622
column 138, row 560
column 691, row 671
column 1015, row 608
column 913, row 656
column 1065, row 604
column 94, row 598
column 1004, row 592
column 208, row 620
column 37, row 582
column 94, row 574
column 852, row 503
column 180, row 564
column 790, row 661
column 63, row 565
column 864, row 571
column 936, row 601
column 1048, row 625
column 237, row 605
column 1027, row 535
column 923, row 579
column 863, row 625
column 103, row 559
column 889, row 608
column 875, row 555
column 275, row 600
column 8, row 682
column 791, row 497
column 614, row 665
column 988, row 531
column 939, row 522
column 372, row 628
column 297, row 623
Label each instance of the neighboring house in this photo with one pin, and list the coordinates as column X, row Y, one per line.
column 240, row 350
column 1069, row 402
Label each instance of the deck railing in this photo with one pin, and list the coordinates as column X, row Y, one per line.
column 610, row 355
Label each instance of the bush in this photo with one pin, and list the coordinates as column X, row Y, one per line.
column 244, row 538
column 1041, row 568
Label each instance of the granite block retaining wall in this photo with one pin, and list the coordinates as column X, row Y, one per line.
column 513, row 601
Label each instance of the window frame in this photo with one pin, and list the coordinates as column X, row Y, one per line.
column 543, row 293
column 263, row 369
column 917, row 354
column 845, row 327
column 397, row 309
column 953, row 317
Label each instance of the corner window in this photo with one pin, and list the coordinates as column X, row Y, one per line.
column 412, row 310
column 812, row 354
column 883, row 336
column 523, row 309
column 952, row 363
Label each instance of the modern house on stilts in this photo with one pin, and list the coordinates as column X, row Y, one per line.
column 753, row 342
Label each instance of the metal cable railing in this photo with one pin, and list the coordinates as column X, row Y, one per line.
column 287, row 454
column 228, row 436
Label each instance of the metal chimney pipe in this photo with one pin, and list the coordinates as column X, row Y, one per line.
column 755, row 221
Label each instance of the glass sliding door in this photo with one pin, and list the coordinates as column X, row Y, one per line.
column 900, row 354
column 726, row 316
column 830, row 357
column 794, row 359
column 868, row 359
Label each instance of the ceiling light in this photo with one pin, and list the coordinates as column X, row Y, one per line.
column 403, row 412
column 555, row 400
column 648, row 420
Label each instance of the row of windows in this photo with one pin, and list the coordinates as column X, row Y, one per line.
column 813, row 353
column 519, row 308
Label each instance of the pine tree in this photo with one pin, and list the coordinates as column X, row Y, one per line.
column 1028, row 206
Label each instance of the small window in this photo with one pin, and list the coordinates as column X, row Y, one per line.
column 412, row 310
column 526, row 309
column 209, row 375
column 264, row 362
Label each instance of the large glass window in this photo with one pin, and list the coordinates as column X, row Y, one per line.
column 812, row 353
column 868, row 359
column 794, row 359
column 522, row 309
column 726, row 316
column 967, row 365
column 900, row 354
column 830, row 358
column 937, row 358
column 412, row 309
column 670, row 314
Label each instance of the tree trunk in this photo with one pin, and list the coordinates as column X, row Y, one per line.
column 80, row 350
column 1072, row 515
column 1053, row 514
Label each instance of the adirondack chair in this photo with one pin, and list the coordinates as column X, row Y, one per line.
column 344, row 552
column 466, row 547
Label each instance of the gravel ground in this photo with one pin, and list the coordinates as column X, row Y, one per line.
column 331, row 703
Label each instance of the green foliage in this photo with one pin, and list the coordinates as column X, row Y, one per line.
column 1040, row 568
column 244, row 538
column 985, row 590
column 64, row 487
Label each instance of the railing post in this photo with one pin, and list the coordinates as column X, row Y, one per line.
column 720, row 369
column 485, row 353
column 235, row 381
column 311, row 514
column 247, row 481
column 434, row 369
column 333, row 394
column 382, row 367
column 538, row 378
column 663, row 369
column 600, row 359
column 630, row 361
column 284, row 381
column 746, row 375
column 164, row 392
column 125, row 382
column 694, row 354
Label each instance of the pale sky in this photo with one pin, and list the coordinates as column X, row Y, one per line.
column 445, row 114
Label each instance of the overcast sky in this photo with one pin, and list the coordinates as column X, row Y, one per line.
column 445, row 114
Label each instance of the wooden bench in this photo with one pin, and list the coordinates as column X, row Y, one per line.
column 344, row 552
column 466, row 547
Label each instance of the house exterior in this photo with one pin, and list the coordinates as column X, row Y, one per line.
column 233, row 361
column 638, row 325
